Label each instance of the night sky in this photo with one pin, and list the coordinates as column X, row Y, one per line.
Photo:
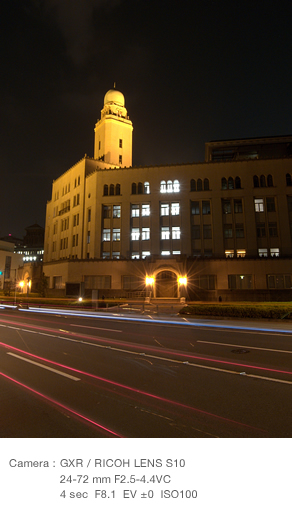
column 191, row 71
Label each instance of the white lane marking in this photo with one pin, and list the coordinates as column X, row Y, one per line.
column 98, row 328
column 245, row 346
column 44, row 366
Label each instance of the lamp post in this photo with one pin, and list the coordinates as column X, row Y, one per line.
column 182, row 284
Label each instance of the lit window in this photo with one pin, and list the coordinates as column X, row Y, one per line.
column 146, row 188
column 106, row 255
column 263, row 252
column 117, row 212
column 135, row 234
column 175, row 252
column 164, row 209
column 175, row 208
column 275, row 252
column 145, row 233
column 176, row 186
column 229, row 253
column 165, row 253
column 106, row 235
column 169, row 187
column 145, row 254
column 145, row 209
column 165, row 233
column 162, row 187
column 116, row 255
column 135, row 255
column 175, row 233
column 240, row 253
column 135, row 211
column 116, row 234
column 259, row 205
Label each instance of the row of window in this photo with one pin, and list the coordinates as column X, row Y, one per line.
column 199, row 185
column 204, row 281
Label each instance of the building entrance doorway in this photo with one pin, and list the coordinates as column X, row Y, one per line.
column 166, row 284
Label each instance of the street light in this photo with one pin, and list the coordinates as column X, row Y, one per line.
column 182, row 283
column 149, row 281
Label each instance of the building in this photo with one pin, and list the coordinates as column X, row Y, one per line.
column 10, row 264
column 219, row 228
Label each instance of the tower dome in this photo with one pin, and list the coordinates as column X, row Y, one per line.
column 113, row 96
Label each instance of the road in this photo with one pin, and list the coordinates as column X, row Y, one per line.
column 71, row 376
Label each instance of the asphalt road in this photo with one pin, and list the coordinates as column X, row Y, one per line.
column 135, row 377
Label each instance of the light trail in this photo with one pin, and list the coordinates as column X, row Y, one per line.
column 53, row 401
column 135, row 390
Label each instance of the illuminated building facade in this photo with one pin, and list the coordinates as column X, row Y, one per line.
column 223, row 225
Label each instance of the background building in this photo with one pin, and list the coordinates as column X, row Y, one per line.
column 223, row 225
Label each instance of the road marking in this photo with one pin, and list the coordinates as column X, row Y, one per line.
column 245, row 346
column 44, row 366
column 98, row 328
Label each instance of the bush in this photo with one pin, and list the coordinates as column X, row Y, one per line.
column 279, row 311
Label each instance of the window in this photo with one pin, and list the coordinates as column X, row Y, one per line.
column 89, row 215
column 206, row 184
column 134, row 188
column 240, row 253
column 230, row 183
column 135, row 212
column 135, row 255
column 88, row 237
column 116, row 255
column 135, row 234
column 228, row 231
column 263, row 252
column 237, row 183
column 259, row 205
column 140, row 188
column 275, row 252
column 195, row 207
column 176, row 186
column 145, row 233
column 131, row 282
column 76, row 220
column 164, row 209
column 270, row 181
column 226, row 206
column 279, row 281
column 162, row 187
column 106, row 255
column 116, row 234
column 106, row 235
column 118, row 189
column 240, row 282
column 145, row 254
column 175, row 208
column 117, row 212
column 199, row 185
column 196, row 232
column 239, row 231
column 165, row 253
column 145, row 209
column 207, row 232
column 256, row 181
column 288, row 179
column 165, row 233
column 237, row 203
column 169, row 187
column 206, row 210
column 262, row 181
column 271, row 208
column 261, row 230
column 205, row 282
column 75, row 240
column 146, row 188
column 229, row 253
column 105, row 190
column 273, row 229
column 120, row 143
column 106, row 211
column 224, row 183
column 57, row 282
column 112, row 189
column 175, row 233
column 193, row 185
column 120, row 159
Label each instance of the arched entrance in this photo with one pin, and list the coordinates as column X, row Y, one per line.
column 166, row 284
